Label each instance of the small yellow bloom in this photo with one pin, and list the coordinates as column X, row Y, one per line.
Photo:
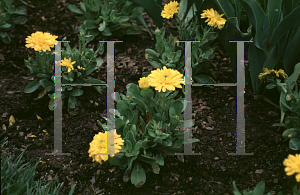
column 170, row 9
column 79, row 68
column 165, row 79
column 174, row 40
column 11, row 120
column 292, row 164
column 40, row 41
column 213, row 18
column 99, row 145
column 283, row 74
column 68, row 63
column 277, row 73
column 144, row 83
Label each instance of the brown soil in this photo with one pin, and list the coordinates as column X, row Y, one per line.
column 214, row 108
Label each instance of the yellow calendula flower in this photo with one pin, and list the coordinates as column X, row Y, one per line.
column 165, row 79
column 68, row 64
column 144, row 83
column 170, row 9
column 80, row 68
column 276, row 72
column 174, row 40
column 292, row 164
column 99, row 145
column 213, row 18
column 282, row 73
column 40, row 41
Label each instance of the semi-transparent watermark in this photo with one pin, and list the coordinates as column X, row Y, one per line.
column 240, row 130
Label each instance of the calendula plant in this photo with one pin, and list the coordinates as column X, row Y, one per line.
column 9, row 17
column 289, row 102
column 148, row 125
column 18, row 178
column 77, row 65
column 292, row 164
column 172, row 55
column 104, row 19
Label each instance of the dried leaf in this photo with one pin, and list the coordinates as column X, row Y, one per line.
column 32, row 136
column 38, row 117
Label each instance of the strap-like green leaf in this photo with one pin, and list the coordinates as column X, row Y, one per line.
column 285, row 25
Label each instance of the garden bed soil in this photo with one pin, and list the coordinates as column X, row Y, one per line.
column 214, row 113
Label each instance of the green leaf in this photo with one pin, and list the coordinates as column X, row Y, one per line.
column 119, row 123
column 285, row 25
column 153, row 10
column 90, row 24
column 20, row 20
column 256, row 17
column 155, row 167
column 5, row 26
column 20, row 10
column 131, row 138
column 274, row 11
column 257, row 58
column 32, row 86
column 102, row 26
column 226, row 8
column 128, row 146
column 76, row 92
column 201, row 79
column 231, row 31
column 137, row 148
column 74, row 9
column 291, row 54
column 260, row 188
column 72, row 102
column 121, row 106
column 138, row 176
column 294, row 144
column 128, row 170
column 51, row 104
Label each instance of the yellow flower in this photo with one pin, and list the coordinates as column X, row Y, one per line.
column 283, row 74
column 213, row 18
column 292, row 164
column 144, row 83
column 79, row 68
column 276, row 72
column 40, row 41
column 170, row 9
column 174, row 40
column 99, row 145
column 163, row 79
column 68, row 63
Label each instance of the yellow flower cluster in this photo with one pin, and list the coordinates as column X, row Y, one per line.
column 40, row 41
column 276, row 72
column 292, row 164
column 99, row 145
column 213, row 18
column 170, row 9
column 162, row 79
column 68, row 64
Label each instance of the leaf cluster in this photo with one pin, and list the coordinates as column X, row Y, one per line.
column 18, row 178
column 9, row 17
column 104, row 19
column 43, row 70
column 150, row 125
column 289, row 102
